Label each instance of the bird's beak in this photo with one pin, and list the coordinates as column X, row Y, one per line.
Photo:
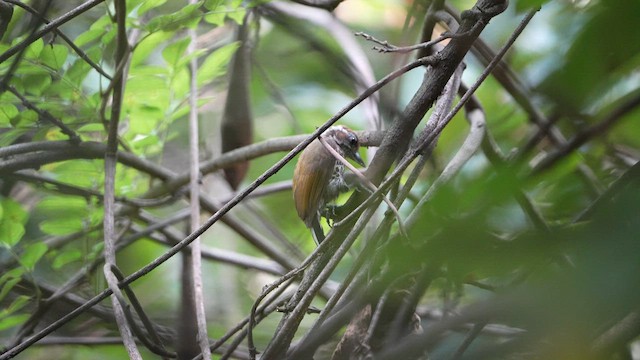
column 355, row 156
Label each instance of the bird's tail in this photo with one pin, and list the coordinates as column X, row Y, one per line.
column 316, row 231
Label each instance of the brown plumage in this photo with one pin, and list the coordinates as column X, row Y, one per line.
column 319, row 178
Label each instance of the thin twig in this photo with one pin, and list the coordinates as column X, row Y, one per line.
column 385, row 47
column 45, row 115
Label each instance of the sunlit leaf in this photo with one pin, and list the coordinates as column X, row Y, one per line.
column 90, row 35
column 174, row 52
column 33, row 50
column 13, row 320
column 63, row 206
column 148, row 45
column 32, row 253
column 35, row 84
column 187, row 16
column 148, row 5
column 54, row 56
column 10, row 233
column 66, row 257
column 14, row 212
column 216, row 63
column 8, row 285
column 17, row 304
column 26, row 119
column 7, row 112
column 212, row 4
column 62, row 226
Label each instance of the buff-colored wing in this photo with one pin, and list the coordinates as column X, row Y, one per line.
column 311, row 176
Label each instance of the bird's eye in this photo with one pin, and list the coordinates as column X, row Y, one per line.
column 353, row 140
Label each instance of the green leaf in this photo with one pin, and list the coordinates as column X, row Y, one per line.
column 77, row 72
column 233, row 10
column 91, row 128
column 188, row 16
column 237, row 14
column 11, row 274
column 63, row 91
column 144, row 119
column 180, row 83
column 95, row 32
column 13, row 211
column 212, row 4
column 148, row 45
column 8, row 285
column 185, row 59
column 32, row 253
column 17, row 304
column 26, row 119
column 146, row 101
column 35, row 84
column 65, row 206
column 148, row 5
column 66, row 257
column 54, row 56
column 7, row 113
column 33, row 50
column 184, row 109
column 11, row 277
column 83, row 173
column 11, row 321
column 216, row 63
column 10, row 233
column 108, row 37
column 64, row 226
column 174, row 52
column 31, row 68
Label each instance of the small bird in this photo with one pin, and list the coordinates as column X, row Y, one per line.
column 319, row 177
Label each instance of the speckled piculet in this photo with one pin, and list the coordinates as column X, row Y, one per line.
column 319, row 177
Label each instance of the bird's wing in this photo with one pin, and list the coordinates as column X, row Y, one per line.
column 310, row 185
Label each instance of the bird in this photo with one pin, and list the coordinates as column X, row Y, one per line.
column 319, row 177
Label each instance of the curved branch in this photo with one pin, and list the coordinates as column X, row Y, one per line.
column 37, row 154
